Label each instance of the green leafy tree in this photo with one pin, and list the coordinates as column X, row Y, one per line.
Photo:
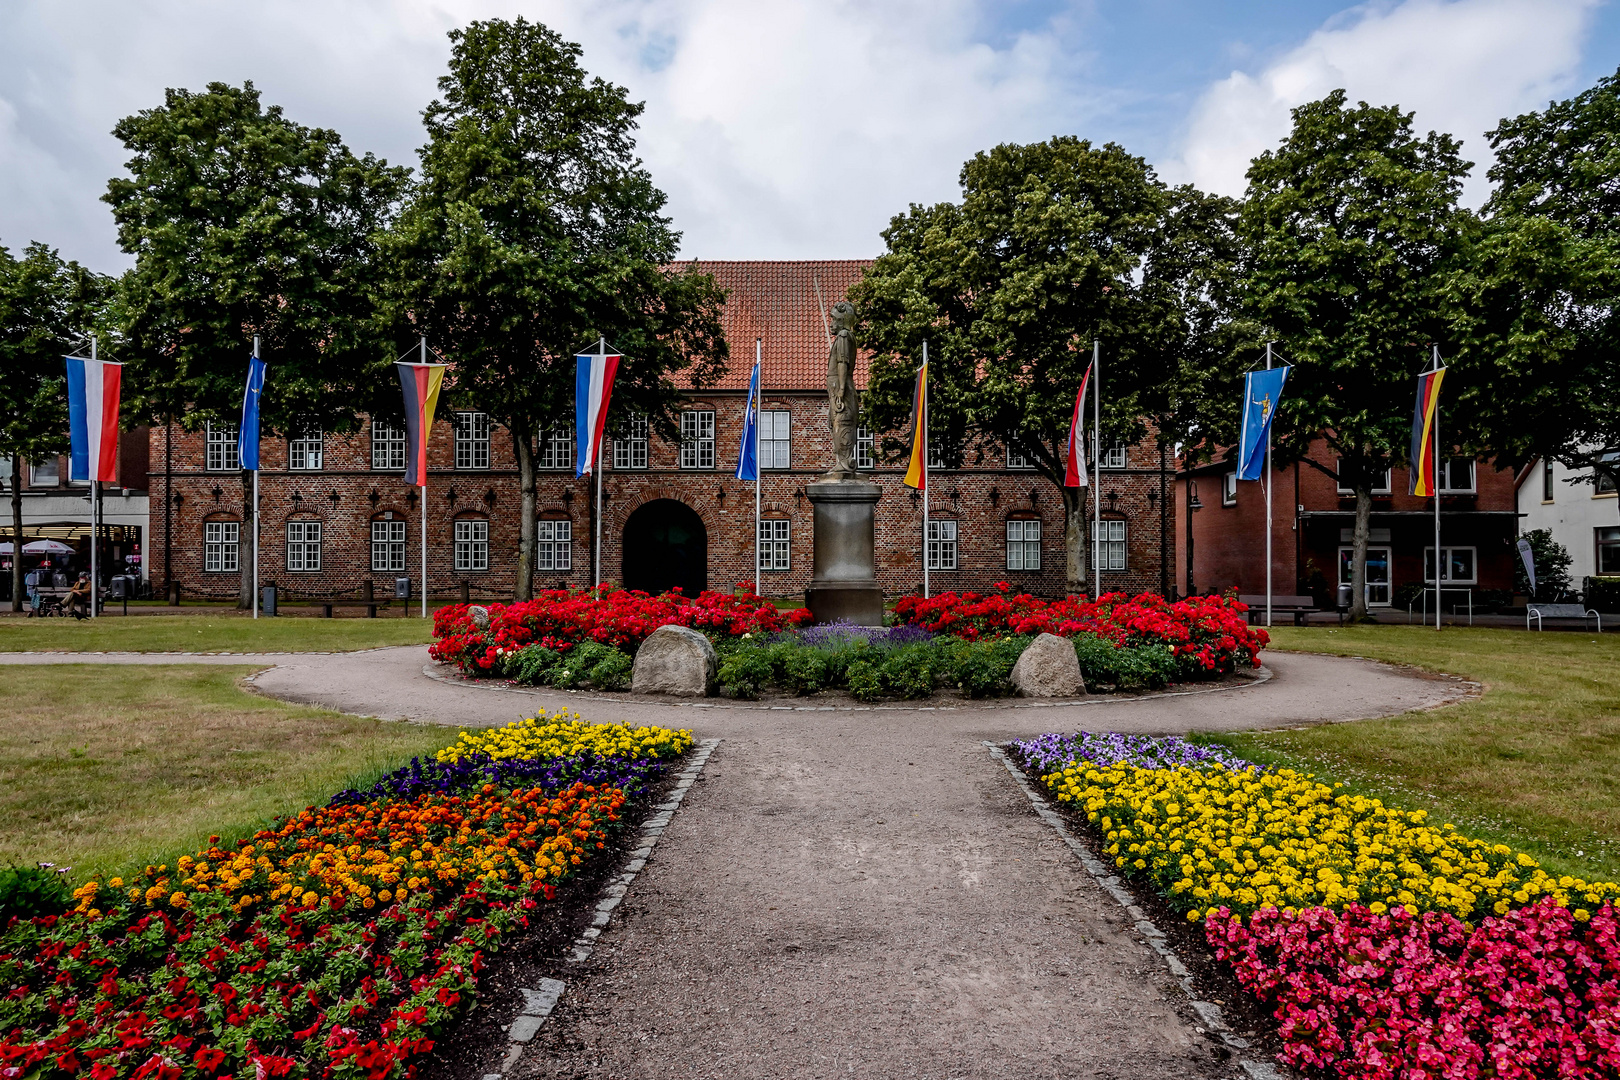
column 47, row 306
column 245, row 223
column 1552, row 567
column 533, row 232
column 1053, row 245
column 1351, row 227
column 1538, row 302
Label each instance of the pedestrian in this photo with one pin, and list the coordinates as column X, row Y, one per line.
column 78, row 597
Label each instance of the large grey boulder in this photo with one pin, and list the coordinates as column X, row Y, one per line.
column 1049, row 668
column 479, row 616
column 674, row 660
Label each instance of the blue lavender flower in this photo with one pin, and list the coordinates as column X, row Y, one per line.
column 1048, row 753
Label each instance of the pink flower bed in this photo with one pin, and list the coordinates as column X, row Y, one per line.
column 1530, row 994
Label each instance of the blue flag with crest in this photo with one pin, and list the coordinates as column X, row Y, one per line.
column 1262, row 390
column 747, row 454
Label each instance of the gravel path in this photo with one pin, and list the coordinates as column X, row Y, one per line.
column 860, row 893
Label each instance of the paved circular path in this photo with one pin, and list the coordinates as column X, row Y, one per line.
column 860, row 893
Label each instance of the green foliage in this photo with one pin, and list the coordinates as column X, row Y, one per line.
column 908, row 671
column 1138, row 667
column 1603, row 594
column 982, row 668
column 591, row 663
column 800, row 670
column 243, row 222
column 531, row 665
column 31, row 891
column 1552, row 567
column 745, row 671
column 863, row 681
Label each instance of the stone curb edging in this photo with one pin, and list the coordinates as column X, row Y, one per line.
column 538, row 1004
column 1261, row 676
column 1209, row 1012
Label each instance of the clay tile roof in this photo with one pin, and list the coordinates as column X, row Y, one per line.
column 776, row 301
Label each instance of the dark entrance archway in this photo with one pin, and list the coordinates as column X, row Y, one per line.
column 665, row 545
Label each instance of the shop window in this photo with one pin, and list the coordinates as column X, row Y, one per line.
column 942, row 545
column 1024, row 545
column 221, row 547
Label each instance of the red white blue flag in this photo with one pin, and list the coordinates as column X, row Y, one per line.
column 593, row 387
column 93, row 387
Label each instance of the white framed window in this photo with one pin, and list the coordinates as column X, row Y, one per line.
column 936, row 456
column 472, row 440
column 630, row 445
column 1018, row 460
column 1381, row 486
column 1109, row 553
column 1457, row 478
column 221, row 454
column 942, row 545
column 774, row 545
column 304, row 452
column 472, row 544
column 303, row 545
column 697, row 439
column 775, row 442
column 46, row 472
column 1113, row 457
column 1459, row 565
column 557, row 447
column 1608, row 549
column 1229, row 489
column 221, row 547
column 388, row 545
column 1023, row 545
column 554, row 545
column 865, row 447
column 387, row 447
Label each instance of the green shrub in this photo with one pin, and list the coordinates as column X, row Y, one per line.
column 862, row 680
column 1603, row 593
column 1139, row 667
column 531, row 666
column 745, row 671
column 31, row 891
column 980, row 668
column 907, row 672
column 613, row 671
column 800, row 670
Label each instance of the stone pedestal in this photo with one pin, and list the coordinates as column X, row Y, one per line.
column 845, row 583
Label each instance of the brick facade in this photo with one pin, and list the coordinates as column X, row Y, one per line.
column 773, row 301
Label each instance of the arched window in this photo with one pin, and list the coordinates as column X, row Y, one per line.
column 1108, row 553
column 471, row 544
column 222, row 546
column 941, row 544
column 775, row 544
column 388, row 542
column 303, row 545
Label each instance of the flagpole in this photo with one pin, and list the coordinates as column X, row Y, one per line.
column 427, row 425
column 926, row 593
column 1269, row 478
column 95, row 510
column 255, row 505
column 1096, row 467
column 759, row 475
column 1437, row 564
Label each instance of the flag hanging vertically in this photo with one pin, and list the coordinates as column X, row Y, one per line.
column 593, row 387
column 93, row 387
column 917, row 471
column 747, row 454
column 1423, row 419
column 421, row 384
column 1074, row 474
column 1262, row 390
column 247, row 436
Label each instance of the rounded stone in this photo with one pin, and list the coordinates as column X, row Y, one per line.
column 1049, row 668
column 479, row 616
column 675, row 660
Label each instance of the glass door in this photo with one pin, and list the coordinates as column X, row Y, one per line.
column 1377, row 573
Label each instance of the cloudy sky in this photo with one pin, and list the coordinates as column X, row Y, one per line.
column 794, row 128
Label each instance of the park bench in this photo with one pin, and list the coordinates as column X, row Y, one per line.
column 371, row 606
column 1297, row 606
column 1536, row 612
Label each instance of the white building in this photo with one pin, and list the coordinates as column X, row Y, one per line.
column 1583, row 515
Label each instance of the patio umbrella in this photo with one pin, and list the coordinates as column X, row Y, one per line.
column 46, row 547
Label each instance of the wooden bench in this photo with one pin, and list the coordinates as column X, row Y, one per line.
column 1536, row 612
column 1297, row 606
column 371, row 606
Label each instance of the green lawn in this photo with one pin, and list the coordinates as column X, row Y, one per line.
column 105, row 768
column 212, row 632
column 1534, row 762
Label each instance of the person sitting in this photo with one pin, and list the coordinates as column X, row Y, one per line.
column 78, row 597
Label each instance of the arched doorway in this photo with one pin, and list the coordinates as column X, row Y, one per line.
column 665, row 545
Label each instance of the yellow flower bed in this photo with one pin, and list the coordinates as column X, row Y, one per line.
column 563, row 734
column 1210, row 837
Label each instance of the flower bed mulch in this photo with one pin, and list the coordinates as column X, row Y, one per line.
column 343, row 941
column 1354, row 939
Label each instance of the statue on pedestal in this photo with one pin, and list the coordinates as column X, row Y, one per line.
column 843, row 400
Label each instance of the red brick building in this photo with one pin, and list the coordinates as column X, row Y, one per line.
column 336, row 513
column 1312, row 523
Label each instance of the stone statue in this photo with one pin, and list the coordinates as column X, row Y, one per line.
column 843, row 401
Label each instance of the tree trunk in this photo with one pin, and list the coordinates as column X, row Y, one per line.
column 16, row 534
column 523, row 448
column 1358, row 549
column 244, row 543
column 1075, row 545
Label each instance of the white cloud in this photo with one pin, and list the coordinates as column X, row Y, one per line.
column 789, row 129
column 1461, row 66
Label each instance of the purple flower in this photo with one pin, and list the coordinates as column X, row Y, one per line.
column 633, row 776
column 1048, row 753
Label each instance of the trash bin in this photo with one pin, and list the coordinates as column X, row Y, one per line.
column 1345, row 593
column 402, row 588
column 267, row 600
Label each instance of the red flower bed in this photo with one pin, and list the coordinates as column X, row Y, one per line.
column 1209, row 631
column 562, row 618
column 1534, row 993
